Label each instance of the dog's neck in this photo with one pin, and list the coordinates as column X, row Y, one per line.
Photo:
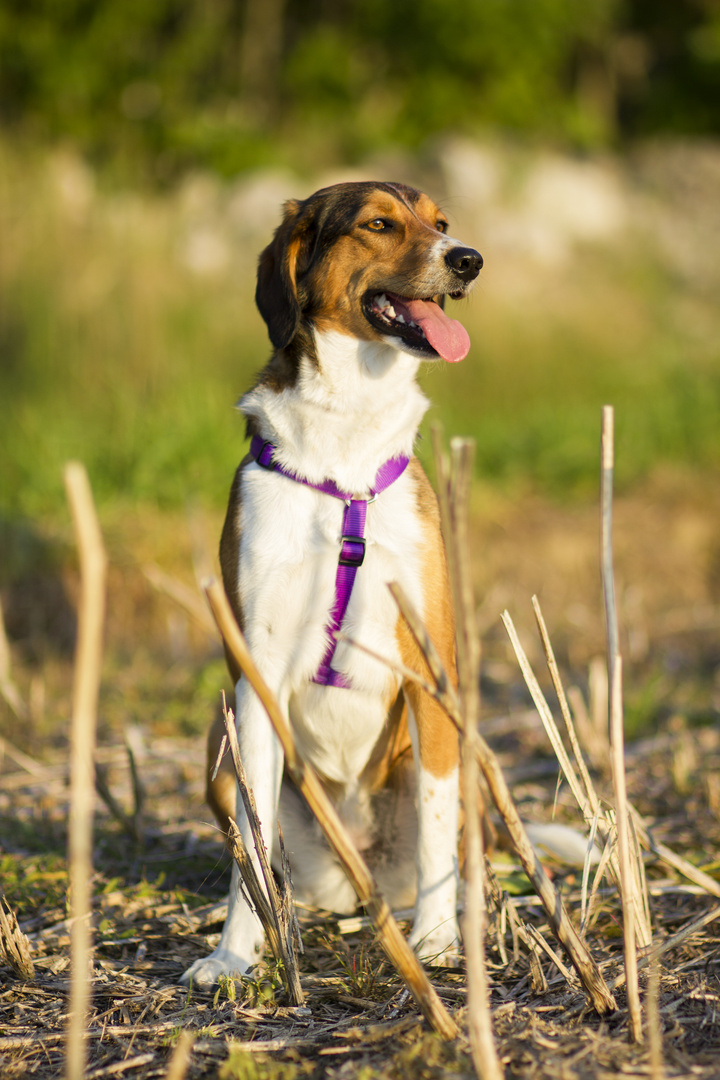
column 347, row 412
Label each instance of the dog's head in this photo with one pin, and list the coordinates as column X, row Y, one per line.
column 370, row 260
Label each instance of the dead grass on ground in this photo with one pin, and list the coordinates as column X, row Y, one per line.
column 161, row 872
column 150, row 924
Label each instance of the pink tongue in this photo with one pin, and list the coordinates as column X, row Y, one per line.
column 448, row 337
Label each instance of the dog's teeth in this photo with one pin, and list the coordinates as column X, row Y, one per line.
column 399, row 318
column 389, row 311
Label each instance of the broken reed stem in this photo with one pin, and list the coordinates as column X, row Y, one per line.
column 565, row 708
column 654, row 1025
column 389, row 935
column 14, row 946
column 180, row 1060
column 628, row 890
column 86, row 686
column 588, row 971
column 8, row 689
column 482, row 1043
column 583, row 800
column 586, row 803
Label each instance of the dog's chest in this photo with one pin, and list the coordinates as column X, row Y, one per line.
column 288, row 562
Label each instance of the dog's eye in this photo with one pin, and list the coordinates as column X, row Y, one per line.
column 441, row 226
column 378, row 224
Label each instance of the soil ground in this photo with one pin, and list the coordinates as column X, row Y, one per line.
column 160, row 869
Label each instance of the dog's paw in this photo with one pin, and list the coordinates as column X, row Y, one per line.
column 205, row 973
column 439, row 947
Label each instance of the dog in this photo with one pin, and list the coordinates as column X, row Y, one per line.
column 329, row 506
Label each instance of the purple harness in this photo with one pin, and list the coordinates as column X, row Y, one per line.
column 352, row 545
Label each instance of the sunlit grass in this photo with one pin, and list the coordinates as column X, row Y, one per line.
column 117, row 351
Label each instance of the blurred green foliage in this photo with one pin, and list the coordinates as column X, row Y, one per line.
column 152, row 87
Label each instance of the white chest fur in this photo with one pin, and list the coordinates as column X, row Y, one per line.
column 343, row 419
column 287, row 566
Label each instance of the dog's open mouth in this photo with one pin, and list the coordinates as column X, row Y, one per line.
column 422, row 325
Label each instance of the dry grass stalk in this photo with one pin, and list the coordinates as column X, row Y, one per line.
column 687, row 931
column 276, row 913
column 628, row 891
column 584, row 907
column 588, row 971
column 671, row 858
column 8, row 688
column 587, row 800
column 180, row 1059
column 584, row 801
column 86, row 686
column 640, row 835
column 14, row 946
column 131, row 824
column 457, row 485
column 628, row 877
column 389, row 934
column 181, row 593
column 565, row 709
column 654, row 1025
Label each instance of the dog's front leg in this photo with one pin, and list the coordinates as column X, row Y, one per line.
column 242, row 939
column 435, row 935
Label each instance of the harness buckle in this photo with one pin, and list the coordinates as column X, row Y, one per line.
column 264, row 457
column 351, row 559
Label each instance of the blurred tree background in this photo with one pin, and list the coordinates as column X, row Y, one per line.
column 149, row 88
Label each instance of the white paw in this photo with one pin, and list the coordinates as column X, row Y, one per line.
column 206, row 972
column 439, row 946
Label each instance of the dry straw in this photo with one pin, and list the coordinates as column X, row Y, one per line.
column 629, row 874
column 14, row 946
column 276, row 912
column 86, row 686
column 600, row 996
column 454, row 496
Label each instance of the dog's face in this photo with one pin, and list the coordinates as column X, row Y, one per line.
column 370, row 260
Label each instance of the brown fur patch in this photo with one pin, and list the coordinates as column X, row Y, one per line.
column 230, row 556
column 438, row 738
column 220, row 793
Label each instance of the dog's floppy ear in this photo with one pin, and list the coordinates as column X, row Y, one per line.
column 276, row 292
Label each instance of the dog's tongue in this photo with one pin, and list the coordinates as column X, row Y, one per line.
column 448, row 337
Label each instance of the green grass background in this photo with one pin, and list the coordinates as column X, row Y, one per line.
column 113, row 351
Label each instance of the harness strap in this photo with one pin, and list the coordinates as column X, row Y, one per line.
column 352, row 542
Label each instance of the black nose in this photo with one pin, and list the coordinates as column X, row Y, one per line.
column 465, row 262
